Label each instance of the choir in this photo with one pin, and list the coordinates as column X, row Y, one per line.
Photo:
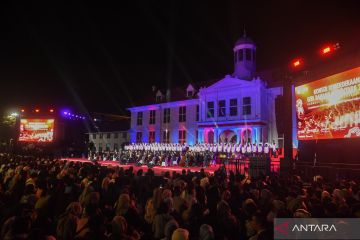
column 170, row 154
column 255, row 148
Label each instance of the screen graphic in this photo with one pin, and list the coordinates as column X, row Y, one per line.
column 36, row 130
column 330, row 107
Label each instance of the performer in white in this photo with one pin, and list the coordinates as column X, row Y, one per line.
column 254, row 148
column 273, row 148
column 142, row 160
column 228, row 148
column 248, row 148
column 243, row 149
column 238, row 148
column 266, row 149
column 233, row 148
column 219, row 148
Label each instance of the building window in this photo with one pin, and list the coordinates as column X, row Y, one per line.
column 139, row 137
column 151, row 136
column 233, row 107
column 107, row 147
column 182, row 136
column 182, row 114
column 190, row 93
column 124, row 135
column 108, row 135
column 197, row 112
column 100, row 147
column 139, row 118
column 197, row 137
column 101, row 136
column 116, row 135
column 152, row 117
column 240, row 55
column 222, row 108
column 166, row 136
column 210, row 109
column 167, row 115
column 248, row 54
column 246, row 105
column 94, row 135
column 158, row 98
column 116, row 147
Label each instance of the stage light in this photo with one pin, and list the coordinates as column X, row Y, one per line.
column 37, row 110
column 51, row 110
column 297, row 63
column 22, row 110
column 328, row 49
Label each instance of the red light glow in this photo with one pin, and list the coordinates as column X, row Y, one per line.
column 329, row 48
column 326, row 50
column 22, row 110
column 51, row 110
column 37, row 110
column 297, row 63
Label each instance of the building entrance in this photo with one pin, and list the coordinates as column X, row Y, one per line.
column 228, row 136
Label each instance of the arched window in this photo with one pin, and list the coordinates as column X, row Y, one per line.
column 240, row 55
column 248, row 54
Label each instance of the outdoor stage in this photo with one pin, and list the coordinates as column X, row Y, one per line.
column 157, row 169
column 275, row 166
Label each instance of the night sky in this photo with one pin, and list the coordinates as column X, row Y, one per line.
column 103, row 57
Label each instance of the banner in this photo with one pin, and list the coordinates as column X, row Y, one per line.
column 36, row 130
column 330, row 107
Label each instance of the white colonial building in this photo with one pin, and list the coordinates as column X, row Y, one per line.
column 238, row 108
column 109, row 141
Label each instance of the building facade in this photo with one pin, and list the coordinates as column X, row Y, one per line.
column 238, row 108
column 109, row 141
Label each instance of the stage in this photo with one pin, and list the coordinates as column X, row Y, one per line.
column 159, row 170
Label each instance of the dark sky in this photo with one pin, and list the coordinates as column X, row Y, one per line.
column 103, row 56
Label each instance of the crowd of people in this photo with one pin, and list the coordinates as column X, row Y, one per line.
column 44, row 198
column 171, row 154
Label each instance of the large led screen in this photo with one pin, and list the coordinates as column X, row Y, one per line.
column 36, row 130
column 330, row 107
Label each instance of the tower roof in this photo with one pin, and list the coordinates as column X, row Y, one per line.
column 244, row 39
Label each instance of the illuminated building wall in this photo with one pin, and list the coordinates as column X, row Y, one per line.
column 238, row 108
